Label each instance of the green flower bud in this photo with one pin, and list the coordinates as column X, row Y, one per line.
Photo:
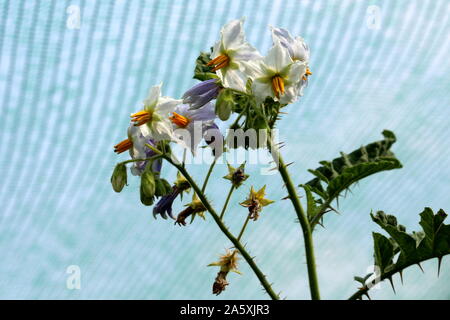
column 148, row 184
column 162, row 187
column 146, row 200
column 119, row 177
column 224, row 104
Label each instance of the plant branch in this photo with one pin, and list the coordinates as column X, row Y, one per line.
column 226, row 202
column 224, row 229
column 243, row 228
column 138, row 160
column 211, row 167
column 306, row 228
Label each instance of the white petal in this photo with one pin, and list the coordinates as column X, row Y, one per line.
column 153, row 95
column 234, row 79
column 253, row 69
column 189, row 137
column 233, row 34
column 162, row 130
column 166, row 105
column 245, row 52
column 300, row 50
column 278, row 57
column 216, row 50
column 290, row 95
column 281, row 35
column 296, row 73
column 262, row 90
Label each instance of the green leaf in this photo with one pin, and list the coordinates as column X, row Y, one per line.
column 203, row 72
column 406, row 242
column 338, row 175
column 383, row 251
column 311, row 203
column 433, row 241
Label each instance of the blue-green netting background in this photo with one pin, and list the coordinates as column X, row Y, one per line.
column 66, row 95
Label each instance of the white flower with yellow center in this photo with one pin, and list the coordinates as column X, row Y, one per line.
column 192, row 125
column 138, row 137
column 156, row 114
column 277, row 76
column 298, row 51
column 230, row 55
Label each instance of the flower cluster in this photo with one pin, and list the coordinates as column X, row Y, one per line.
column 235, row 79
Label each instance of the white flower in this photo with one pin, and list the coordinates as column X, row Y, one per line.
column 156, row 114
column 138, row 137
column 297, row 48
column 278, row 76
column 191, row 125
column 230, row 55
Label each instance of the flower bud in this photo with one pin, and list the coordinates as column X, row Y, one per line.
column 162, row 187
column 237, row 176
column 146, row 200
column 224, row 104
column 148, row 184
column 119, row 177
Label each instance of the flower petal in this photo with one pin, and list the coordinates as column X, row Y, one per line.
column 166, row 105
column 262, row 90
column 161, row 129
column 290, row 95
column 278, row 57
column 205, row 113
column 246, row 52
column 233, row 78
column 153, row 95
column 233, row 34
column 296, row 73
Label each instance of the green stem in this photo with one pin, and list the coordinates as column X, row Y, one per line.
column 243, row 228
column 226, row 202
column 306, row 228
column 146, row 159
column 184, row 158
column 211, row 167
column 224, row 229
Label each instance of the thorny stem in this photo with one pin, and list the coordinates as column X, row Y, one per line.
column 184, row 158
column 306, row 228
column 226, row 202
column 211, row 167
column 236, row 243
column 302, row 217
column 243, row 228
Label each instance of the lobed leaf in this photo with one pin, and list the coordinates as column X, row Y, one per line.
column 433, row 241
column 338, row 175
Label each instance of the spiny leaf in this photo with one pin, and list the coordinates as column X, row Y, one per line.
column 413, row 248
column 383, row 251
column 336, row 176
column 311, row 203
